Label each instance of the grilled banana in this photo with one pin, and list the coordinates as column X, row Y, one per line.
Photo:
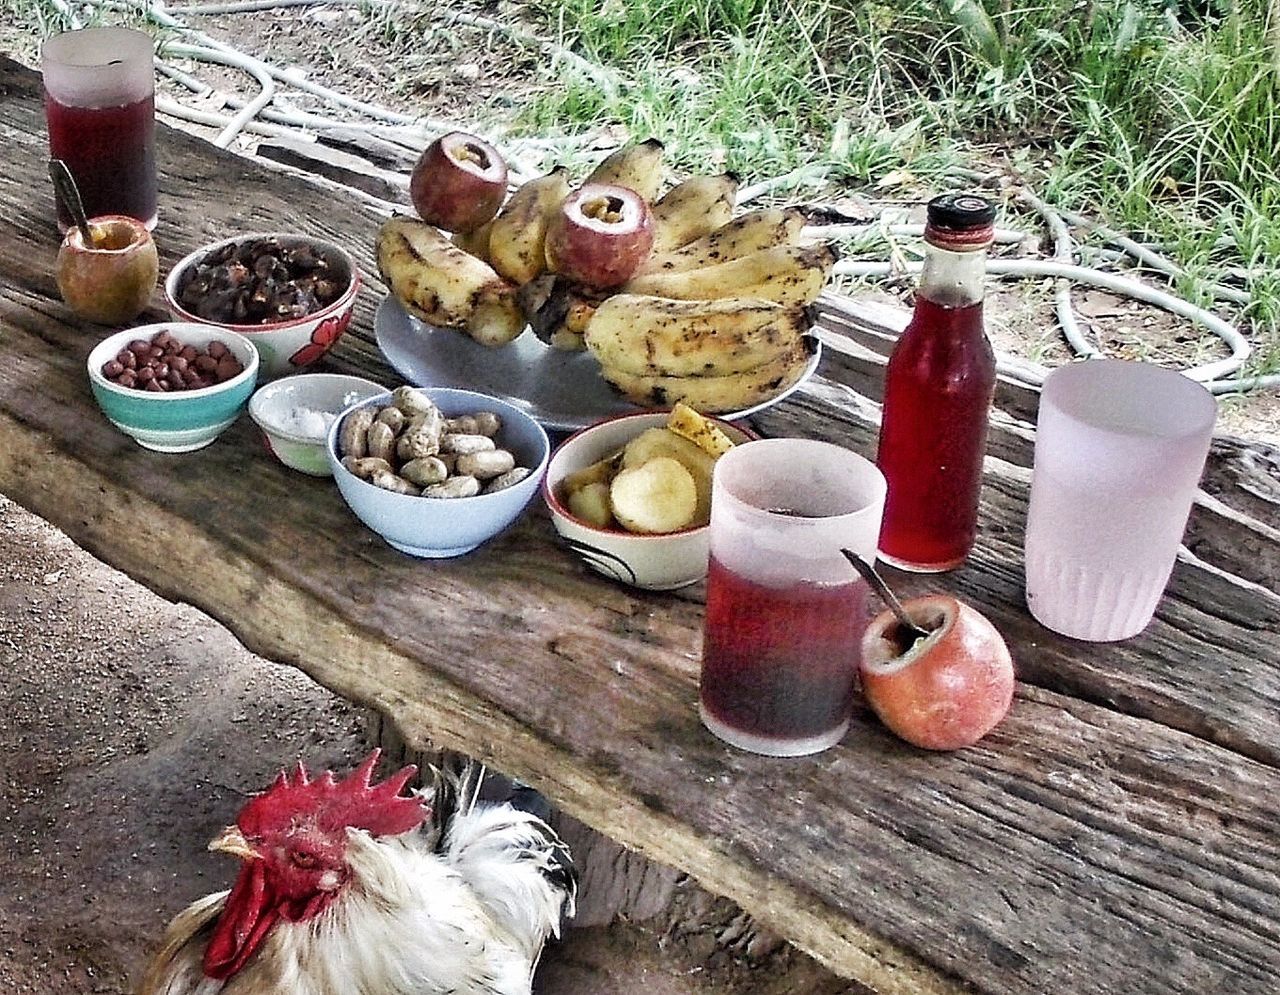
column 653, row 336
column 714, row 395
column 691, row 209
column 558, row 310
column 476, row 241
column 788, row 274
column 751, row 232
column 520, row 229
column 638, row 167
column 444, row 285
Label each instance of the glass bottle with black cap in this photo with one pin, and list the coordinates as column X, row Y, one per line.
column 938, row 389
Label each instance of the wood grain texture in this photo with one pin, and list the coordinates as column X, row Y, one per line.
column 1114, row 835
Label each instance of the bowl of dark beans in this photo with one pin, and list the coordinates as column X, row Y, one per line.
column 173, row 387
column 291, row 295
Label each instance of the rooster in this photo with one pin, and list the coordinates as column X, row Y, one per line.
column 353, row 888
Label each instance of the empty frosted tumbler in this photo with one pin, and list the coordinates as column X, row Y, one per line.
column 1119, row 451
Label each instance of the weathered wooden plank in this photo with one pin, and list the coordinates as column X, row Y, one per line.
column 337, row 165
column 1114, row 835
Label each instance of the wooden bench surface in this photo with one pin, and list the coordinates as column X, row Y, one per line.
column 1116, row 834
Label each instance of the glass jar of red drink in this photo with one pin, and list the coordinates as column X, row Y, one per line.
column 99, row 88
column 937, row 397
column 785, row 610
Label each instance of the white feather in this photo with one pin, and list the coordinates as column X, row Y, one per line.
column 468, row 920
column 508, row 858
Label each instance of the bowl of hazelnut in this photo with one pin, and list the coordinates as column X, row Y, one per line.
column 173, row 387
column 291, row 295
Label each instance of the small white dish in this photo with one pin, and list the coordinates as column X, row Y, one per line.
column 295, row 413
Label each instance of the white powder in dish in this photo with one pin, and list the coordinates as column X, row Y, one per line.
column 306, row 422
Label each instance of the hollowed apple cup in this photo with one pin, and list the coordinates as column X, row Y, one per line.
column 944, row 691
column 458, row 183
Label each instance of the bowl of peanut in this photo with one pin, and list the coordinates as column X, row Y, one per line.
column 173, row 387
column 436, row 471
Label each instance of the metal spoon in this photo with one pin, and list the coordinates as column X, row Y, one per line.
column 873, row 578
column 64, row 187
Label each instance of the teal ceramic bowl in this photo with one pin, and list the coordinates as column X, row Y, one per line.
column 179, row 421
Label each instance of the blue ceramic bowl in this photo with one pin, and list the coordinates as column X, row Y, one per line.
column 178, row 421
column 443, row 527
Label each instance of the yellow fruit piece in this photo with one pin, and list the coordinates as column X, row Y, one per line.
column 600, row 471
column 653, row 336
column 661, row 442
column 519, row 231
column 475, row 242
column 748, row 233
column 591, row 505
column 692, row 209
column 637, row 167
column 713, row 394
column 788, row 274
column 445, row 285
column 702, row 432
column 654, row 498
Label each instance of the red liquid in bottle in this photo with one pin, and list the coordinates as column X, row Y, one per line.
column 938, row 389
column 111, row 152
column 781, row 662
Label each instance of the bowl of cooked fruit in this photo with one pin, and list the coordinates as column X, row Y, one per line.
column 631, row 495
column 291, row 295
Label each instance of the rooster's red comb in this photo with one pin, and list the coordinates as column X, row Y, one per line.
column 334, row 805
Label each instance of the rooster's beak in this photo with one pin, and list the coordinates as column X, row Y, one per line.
column 232, row 841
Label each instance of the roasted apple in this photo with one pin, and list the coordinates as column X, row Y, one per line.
column 942, row 691
column 458, row 183
column 600, row 236
column 111, row 280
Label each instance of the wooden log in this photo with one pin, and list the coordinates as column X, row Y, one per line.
column 337, row 165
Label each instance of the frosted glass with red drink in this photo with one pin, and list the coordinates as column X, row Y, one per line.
column 785, row 610
column 99, row 88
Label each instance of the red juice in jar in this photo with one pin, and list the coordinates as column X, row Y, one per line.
column 99, row 86
column 111, row 152
column 939, row 384
column 780, row 663
column 938, row 389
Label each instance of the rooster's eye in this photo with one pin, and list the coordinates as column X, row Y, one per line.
column 304, row 860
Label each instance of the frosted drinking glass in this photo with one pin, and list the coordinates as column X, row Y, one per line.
column 1120, row 447
column 785, row 610
column 99, row 103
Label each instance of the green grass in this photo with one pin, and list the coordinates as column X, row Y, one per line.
column 1168, row 131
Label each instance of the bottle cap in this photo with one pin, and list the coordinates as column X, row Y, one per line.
column 960, row 221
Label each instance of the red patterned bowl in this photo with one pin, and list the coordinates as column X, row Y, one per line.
column 283, row 346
